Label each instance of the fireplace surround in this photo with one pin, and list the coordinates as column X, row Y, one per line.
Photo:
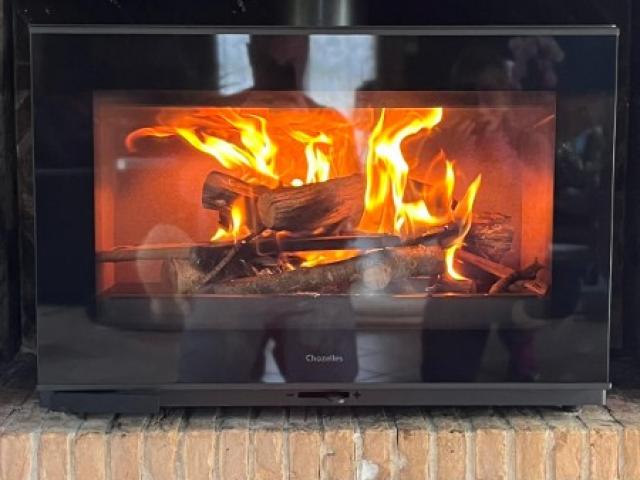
column 362, row 216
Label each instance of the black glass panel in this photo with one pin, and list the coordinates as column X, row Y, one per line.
column 451, row 216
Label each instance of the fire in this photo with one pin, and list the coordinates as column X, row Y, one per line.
column 285, row 147
column 387, row 174
column 270, row 147
column 252, row 160
column 320, row 257
column 318, row 163
column 239, row 229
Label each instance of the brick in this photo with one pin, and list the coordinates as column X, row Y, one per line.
column 398, row 443
column 125, row 447
column 90, row 448
column 569, row 454
column 267, row 435
column 493, row 445
column 198, row 445
column 604, row 443
column 631, row 453
column 378, row 452
column 531, row 437
column 416, row 438
column 232, row 448
column 54, row 448
column 338, row 446
column 18, row 441
column 160, row 453
column 304, row 440
column 452, row 434
column 627, row 413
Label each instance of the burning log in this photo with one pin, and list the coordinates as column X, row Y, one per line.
column 304, row 208
column 336, row 201
column 220, row 191
column 265, row 246
column 446, row 284
column 392, row 263
column 490, row 236
column 309, row 207
column 188, row 275
column 540, row 284
column 485, row 264
column 533, row 278
column 527, row 273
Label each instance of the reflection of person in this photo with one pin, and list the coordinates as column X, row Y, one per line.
column 300, row 331
column 456, row 355
column 278, row 61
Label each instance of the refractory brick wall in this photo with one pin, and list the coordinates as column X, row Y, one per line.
column 448, row 444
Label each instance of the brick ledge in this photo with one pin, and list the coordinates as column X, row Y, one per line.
column 369, row 443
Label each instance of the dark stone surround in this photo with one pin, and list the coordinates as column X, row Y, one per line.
column 9, row 284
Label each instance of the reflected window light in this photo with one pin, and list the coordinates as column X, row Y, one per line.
column 338, row 66
column 234, row 72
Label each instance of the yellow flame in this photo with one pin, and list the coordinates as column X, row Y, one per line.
column 256, row 157
column 394, row 203
column 387, row 211
column 252, row 160
column 313, row 258
column 463, row 216
column 463, row 213
column 238, row 229
column 318, row 163
column 449, row 257
column 387, row 174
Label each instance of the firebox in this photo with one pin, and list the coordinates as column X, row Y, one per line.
column 325, row 216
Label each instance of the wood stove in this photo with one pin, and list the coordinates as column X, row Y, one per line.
column 356, row 216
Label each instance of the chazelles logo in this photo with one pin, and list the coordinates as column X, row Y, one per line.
column 310, row 358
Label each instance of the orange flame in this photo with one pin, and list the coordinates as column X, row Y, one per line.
column 263, row 146
column 387, row 211
column 318, row 163
column 320, row 257
column 462, row 215
column 274, row 147
column 387, row 173
column 253, row 160
column 238, row 229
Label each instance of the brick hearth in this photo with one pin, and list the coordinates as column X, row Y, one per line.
column 396, row 443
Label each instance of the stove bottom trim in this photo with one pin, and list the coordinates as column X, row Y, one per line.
column 149, row 400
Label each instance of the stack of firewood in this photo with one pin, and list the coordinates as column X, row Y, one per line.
column 323, row 217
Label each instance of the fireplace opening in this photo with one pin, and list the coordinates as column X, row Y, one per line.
column 405, row 194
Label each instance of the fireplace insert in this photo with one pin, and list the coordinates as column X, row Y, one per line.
column 362, row 216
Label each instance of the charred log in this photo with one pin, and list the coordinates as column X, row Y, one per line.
column 309, row 207
column 375, row 269
column 270, row 245
column 527, row 273
column 490, row 236
column 448, row 285
column 489, row 266
column 338, row 201
column 220, row 191
column 162, row 252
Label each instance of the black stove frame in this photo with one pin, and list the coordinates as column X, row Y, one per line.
column 70, row 62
